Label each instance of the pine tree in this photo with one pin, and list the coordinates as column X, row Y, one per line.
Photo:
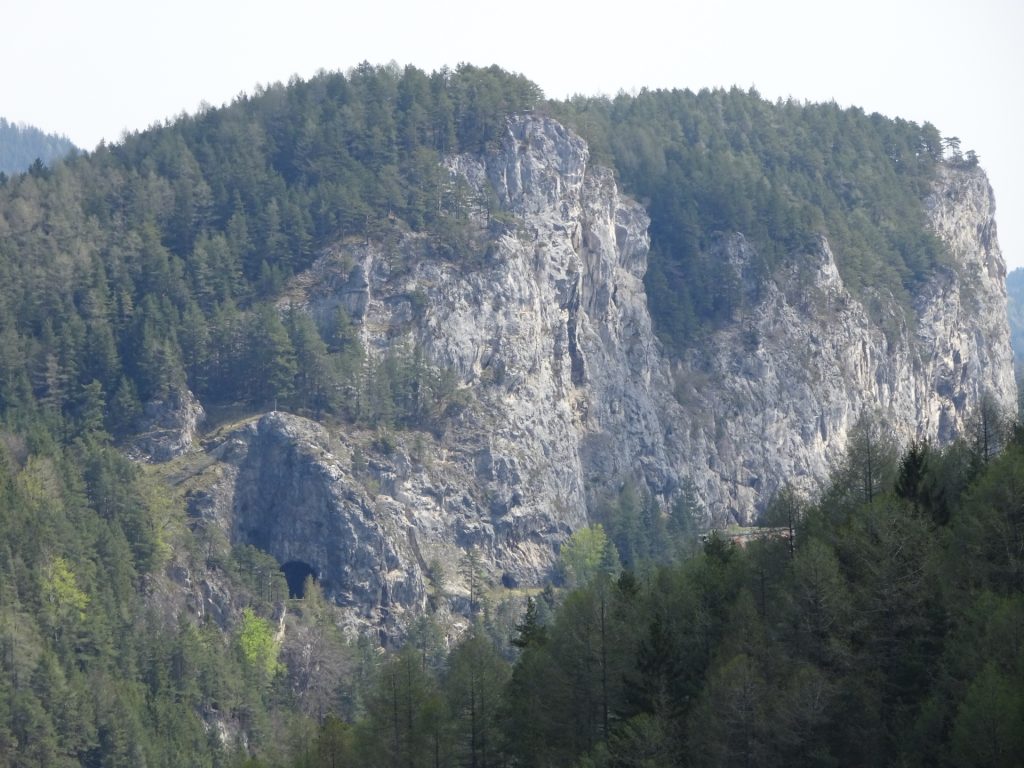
column 270, row 358
column 474, row 684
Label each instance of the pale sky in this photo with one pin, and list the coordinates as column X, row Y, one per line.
column 92, row 70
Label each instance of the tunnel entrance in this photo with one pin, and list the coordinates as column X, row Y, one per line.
column 295, row 573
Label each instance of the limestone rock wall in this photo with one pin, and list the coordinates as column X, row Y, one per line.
column 565, row 392
column 773, row 396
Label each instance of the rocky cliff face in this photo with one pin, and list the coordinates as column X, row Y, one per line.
column 775, row 395
column 563, row 392
column 564, row 389
column 168, row 427
column 286, row 487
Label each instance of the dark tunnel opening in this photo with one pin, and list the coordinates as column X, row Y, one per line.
column 295, row 573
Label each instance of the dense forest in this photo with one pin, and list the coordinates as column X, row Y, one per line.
column 783, row 174
column 886, row 626
column 147, row 266
column 23, row 145
column 880, row 625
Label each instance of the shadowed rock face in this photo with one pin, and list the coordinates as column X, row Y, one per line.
column 294, row 499
column 282, row 489
column 546, row 331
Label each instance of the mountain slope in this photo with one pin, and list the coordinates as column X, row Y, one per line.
column 399, row 333
column 783, row 173
column 807, row 359
column 564, row 394
column 394, row 255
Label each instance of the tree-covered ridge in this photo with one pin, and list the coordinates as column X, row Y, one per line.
column 879, row 625
column 140, row 268
column 144, row 266
column 23, row 145
column 782, row 173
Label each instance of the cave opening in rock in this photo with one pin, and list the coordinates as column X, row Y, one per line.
column 295, row 573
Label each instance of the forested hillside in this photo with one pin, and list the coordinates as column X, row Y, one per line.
column 880, row 626
column 143, row 266
column 23, row 145
column 721, row 161
column 147, row 266
column 885, row 629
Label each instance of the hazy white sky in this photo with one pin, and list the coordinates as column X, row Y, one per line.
column 93, row 69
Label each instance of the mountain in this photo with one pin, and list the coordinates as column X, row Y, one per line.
column 405, row 334
column 564, row 394
column 22, row 145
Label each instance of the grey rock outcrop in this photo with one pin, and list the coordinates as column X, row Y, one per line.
column 546, row 330
column 168, row 426
column 773, row 396
column 564, row 392
column 288, row 489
